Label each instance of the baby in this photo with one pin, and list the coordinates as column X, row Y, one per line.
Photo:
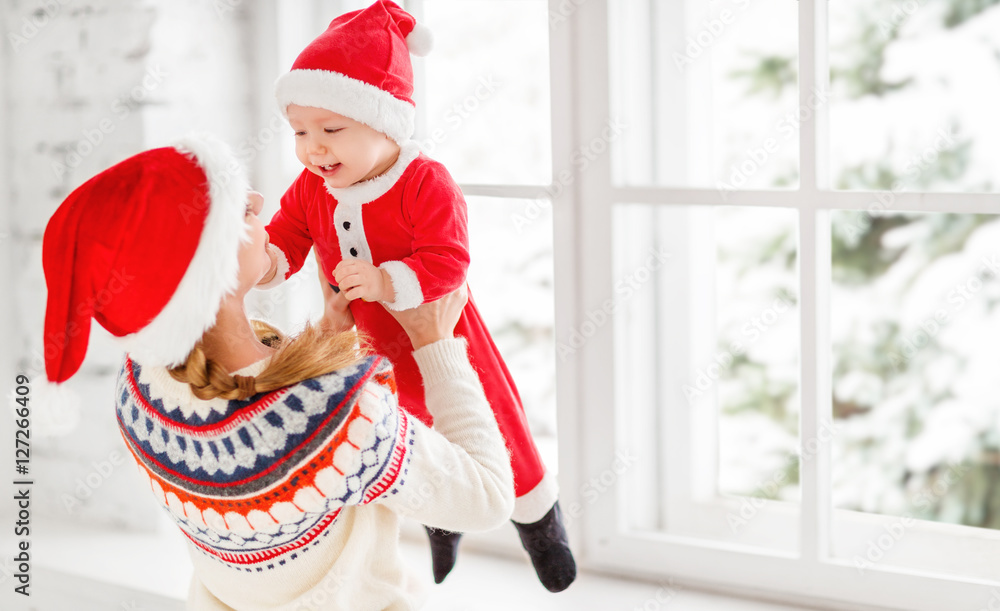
column 389, row 226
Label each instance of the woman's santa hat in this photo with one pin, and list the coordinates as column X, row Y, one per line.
column 148, row 248
column 360, row 68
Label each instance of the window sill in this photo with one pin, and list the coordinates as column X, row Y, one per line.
column 104, row 569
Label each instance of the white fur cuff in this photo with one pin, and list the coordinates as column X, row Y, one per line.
column 279, row 275
column 534, row 504
column 405, row 284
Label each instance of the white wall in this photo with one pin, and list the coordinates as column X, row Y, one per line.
column 88, row 83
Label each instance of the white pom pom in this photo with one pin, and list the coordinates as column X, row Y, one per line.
column 54, row 409
column 420, row 41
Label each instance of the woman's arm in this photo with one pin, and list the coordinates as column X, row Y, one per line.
column 459, row 477
column 337, row 316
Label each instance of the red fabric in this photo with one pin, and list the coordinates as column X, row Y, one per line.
column 422, row 221
column 368, row 45
column 103, row 249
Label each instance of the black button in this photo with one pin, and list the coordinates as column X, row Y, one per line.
column 347, row 224
column 354, row 252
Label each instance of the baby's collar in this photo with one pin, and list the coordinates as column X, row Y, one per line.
column 374, row 188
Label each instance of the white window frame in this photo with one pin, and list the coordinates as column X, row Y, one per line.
column 579, row 54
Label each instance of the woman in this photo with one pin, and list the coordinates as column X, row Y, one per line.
column 286, row 462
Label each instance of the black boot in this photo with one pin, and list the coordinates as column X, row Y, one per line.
column 547, row 544
column 444, row 551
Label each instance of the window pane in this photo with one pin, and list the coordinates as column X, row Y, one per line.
column 914, row 89
column 706, row 355
column 487, row 91
column 914, row 313
column 706, row 93
column 513, row 289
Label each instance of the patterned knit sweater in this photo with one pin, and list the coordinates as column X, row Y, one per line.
column 291, row 500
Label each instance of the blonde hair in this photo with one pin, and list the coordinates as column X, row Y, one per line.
column 311, row 353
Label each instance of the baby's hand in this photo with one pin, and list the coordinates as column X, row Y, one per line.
column 361, row 279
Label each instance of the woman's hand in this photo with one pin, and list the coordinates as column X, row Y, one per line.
column 337, row 315
column 433, row 321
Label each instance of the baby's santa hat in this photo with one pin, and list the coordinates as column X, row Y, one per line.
column 360, row 68
column 148, row 248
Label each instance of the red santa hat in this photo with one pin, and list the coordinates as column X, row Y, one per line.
column 360, row 68
column 148, row 248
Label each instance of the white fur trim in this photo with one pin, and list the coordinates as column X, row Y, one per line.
column 350, row 212
column 283, row 267
column 405, row 284
column 374, row 188
column 533, row 505
column 55, row 409
column 420, row 40
column 346, row 96
column 213, row 272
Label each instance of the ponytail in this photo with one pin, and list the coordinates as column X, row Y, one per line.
column 311, row 353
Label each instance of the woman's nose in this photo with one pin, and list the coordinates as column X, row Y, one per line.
column 256, row 201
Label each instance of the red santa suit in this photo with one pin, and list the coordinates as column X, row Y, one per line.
column 412, row 222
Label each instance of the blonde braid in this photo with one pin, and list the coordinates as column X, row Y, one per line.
column 310, row 354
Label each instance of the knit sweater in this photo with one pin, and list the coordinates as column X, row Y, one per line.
column 291, row 500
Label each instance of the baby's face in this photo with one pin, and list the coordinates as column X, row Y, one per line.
column 340, row 150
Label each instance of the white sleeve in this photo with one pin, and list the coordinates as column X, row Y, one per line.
column 458, row 475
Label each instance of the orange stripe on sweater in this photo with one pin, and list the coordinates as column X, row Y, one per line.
column 280, row 492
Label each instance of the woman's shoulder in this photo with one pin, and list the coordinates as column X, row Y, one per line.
column 369, row 368
column 338, row 391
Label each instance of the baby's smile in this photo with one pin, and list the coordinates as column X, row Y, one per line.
column 329, row 170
